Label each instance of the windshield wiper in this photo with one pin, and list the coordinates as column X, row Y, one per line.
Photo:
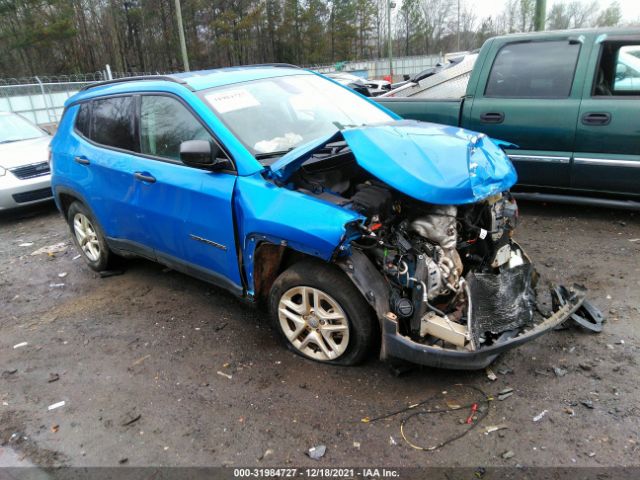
column 260, row 156
column 8, row 141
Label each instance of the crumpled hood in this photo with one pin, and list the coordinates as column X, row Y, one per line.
column 433, row 163
column 24, row 152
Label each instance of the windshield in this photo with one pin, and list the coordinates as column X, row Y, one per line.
column 275, row 115
column 14, row 128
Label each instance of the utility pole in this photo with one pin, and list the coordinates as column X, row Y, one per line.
column 458, row 39
column 541, row 14
column 390, row 5
column 183, row 45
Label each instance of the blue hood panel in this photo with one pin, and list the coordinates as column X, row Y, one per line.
column 433, row 163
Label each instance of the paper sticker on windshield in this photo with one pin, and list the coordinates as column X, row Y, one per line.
column 231, row 100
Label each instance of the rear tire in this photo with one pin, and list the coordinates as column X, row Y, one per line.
column 88, row 238
column 321, row 315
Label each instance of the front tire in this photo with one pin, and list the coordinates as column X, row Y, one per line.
column 88, row 237
column 321, row 315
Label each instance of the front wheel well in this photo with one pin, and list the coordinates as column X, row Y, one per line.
column 269, row 261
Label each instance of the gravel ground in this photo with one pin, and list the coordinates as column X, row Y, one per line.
column 156, row 368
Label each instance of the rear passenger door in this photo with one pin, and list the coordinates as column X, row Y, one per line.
column 607, row 150
column 186, row 211
column 528, row 97
column 105, row 162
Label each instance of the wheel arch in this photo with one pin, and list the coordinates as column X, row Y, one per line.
column 268, row 261
column 64, row 197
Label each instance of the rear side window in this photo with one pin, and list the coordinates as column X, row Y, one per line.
column 83, row 119
column 113, row 120
column 164, row 124
column 533, row 70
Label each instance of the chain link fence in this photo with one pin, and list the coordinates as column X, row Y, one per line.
column 41, row 99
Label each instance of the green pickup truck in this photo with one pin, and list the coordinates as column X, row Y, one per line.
column 569, row 99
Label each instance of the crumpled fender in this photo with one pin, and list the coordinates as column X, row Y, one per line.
column 266, row 212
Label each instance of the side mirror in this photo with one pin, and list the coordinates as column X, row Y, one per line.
column 202, row 154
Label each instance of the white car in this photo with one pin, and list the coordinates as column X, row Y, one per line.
column 378, row 87
column 25, row 176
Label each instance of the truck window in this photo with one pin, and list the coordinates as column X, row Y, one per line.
column 618, row 71
column 533, row 70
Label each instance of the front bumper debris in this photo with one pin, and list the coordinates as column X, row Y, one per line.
column 399, row 346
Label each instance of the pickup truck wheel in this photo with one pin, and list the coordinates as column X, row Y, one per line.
column 88, row 237
column 321, row 315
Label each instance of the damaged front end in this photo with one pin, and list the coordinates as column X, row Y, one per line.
column 435, row 255
column 459, row 289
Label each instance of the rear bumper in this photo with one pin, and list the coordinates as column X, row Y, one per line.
column 15, row 192
column 399, row 346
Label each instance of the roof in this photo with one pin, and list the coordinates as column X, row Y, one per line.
column 194, row 81
column 609, row 31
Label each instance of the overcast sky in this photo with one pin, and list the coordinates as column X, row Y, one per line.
column 484, row 8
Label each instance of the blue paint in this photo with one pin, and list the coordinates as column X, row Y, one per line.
column 433, row 163
column 266, row 212
column 236, row 211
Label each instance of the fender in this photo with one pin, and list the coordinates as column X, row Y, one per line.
column 267, row 212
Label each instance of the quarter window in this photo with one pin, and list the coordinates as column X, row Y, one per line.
column 113, row 123
column 164, row 124
column 83, row 119
column 533, row 70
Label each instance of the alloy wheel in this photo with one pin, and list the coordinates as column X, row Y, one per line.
column 86, row 236
column 314, row 322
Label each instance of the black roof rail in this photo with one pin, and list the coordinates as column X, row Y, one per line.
column 166, row 78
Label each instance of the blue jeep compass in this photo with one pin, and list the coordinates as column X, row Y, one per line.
column 354, row 227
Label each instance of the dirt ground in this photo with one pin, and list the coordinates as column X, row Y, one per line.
column 137, row 357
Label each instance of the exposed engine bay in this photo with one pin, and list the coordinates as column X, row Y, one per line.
column 455, row 277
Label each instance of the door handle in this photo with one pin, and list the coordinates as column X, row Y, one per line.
column 596, row 118
column 82, row 160
column 492, row 117
column 144, row 178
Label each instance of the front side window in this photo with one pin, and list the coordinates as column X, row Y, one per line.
column 164, row 124
column 618, row 71
column 113, row 123
column 533, row 70
column 627, row 71
column 274, row 115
